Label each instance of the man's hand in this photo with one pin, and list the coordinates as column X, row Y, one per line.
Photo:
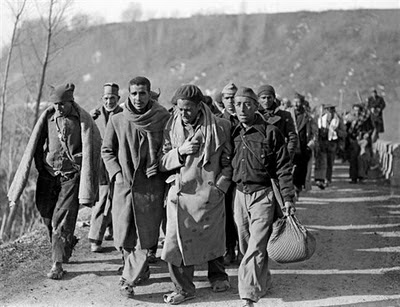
column 94, row 113
column 225, row 160
column 289, row 208
column 189, row 147
column 119, row 178
column 12, row 204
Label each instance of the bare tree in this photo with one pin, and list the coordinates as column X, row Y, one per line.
column 17, row 14
column 56, row 11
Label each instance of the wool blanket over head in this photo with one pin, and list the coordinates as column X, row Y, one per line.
column 212, row 138
column 91, row 145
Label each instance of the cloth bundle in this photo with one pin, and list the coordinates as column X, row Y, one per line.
column 290, row 241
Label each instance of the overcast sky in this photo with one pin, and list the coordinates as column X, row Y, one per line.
column 110, row 11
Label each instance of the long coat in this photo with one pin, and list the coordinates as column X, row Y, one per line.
column 101, row 122
column 195, row 201
column 138, row 201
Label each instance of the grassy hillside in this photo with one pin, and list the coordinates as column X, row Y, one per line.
column 318, row 54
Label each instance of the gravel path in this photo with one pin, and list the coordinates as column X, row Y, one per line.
column 357, row 262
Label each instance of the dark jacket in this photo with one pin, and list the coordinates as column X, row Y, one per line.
column 232, row 118
column 377, row 104
column 284, row 122
column 268, row 157
column 307, row 131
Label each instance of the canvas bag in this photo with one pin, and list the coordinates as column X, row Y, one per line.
column 290, row 241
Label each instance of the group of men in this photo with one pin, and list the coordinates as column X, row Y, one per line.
column 213, row 173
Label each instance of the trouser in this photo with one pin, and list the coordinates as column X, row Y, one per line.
column 354, row 151
column 135, row 264
column 363, row 165
column 324, row 160
column 154, row 248
column 300, row 161
column 254, row 215
column 230, row 228
column 58, row 204
column 182, row 276
column 101, row 215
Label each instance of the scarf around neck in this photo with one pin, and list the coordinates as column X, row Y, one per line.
column 151, row 125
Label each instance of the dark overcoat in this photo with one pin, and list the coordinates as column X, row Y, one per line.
column 138, row 201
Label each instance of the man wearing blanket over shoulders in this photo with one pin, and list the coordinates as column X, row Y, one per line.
column 194, row 143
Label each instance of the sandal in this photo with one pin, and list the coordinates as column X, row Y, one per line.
column 56, row 273
column 220, row 285
column 248, row 303
column 175, row 298
column 126, row 289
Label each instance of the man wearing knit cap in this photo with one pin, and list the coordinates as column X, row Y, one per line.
column 130, row 150
column 100, row 223
column 307, row 132
column 277, row 117
column 195, row 142
column 229, row 113
column 65, row 144
column 260, row 157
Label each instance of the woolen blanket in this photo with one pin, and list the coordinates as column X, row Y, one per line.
column 91, row 144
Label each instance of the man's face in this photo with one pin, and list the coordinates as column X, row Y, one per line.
column 245, row 109
column 297, row 103
column 285, row 103
column 331, row 110
column 110, row 101
column 188, row 110
column 227, row 100
column 267, row 101
column 356, row 111
column 140, row 97
column 63, row 107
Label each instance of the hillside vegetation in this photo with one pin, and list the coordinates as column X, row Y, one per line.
column 318, row 54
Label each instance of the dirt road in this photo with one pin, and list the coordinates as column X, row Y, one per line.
column 357, row 262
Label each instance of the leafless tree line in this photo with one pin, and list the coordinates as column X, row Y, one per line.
column 40, row 36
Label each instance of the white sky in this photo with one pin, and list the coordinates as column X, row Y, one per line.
column 111, row 10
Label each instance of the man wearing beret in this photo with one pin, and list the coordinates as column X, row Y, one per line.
column 65, row 144
column 195, row 142
column 307, row 132
column 260, row 157
column 130, row 150
column 281, row 119
column 100, row 223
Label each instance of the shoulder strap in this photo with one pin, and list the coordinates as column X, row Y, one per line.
column 274, row 182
